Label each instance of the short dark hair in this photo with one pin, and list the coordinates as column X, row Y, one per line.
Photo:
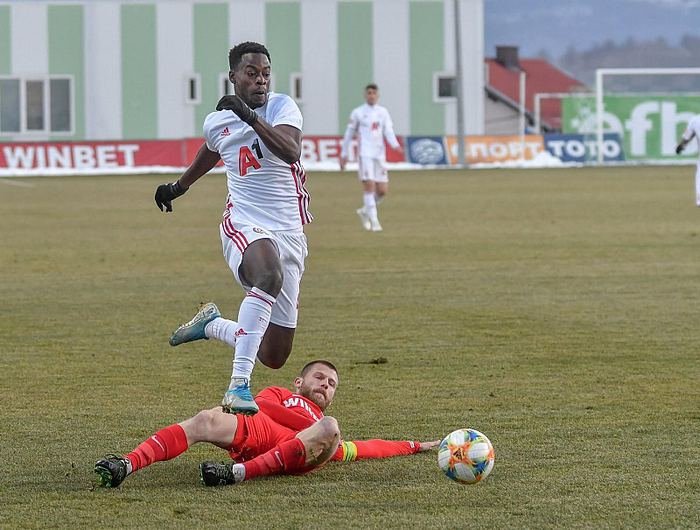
column 307, row 366
column 239, row 50
column 371, row 86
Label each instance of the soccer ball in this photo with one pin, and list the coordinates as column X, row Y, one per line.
column 466, row 456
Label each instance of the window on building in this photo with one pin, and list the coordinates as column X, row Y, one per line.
column 444, row 87
column 225, row 86
column 193, row 89
column 9, row 106
column 295, row 87
column 60, row 105
column 37, row 105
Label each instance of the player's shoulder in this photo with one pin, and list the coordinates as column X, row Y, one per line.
column 383, row 110
column 277, row 100
column 274, row 391
column 216, row 118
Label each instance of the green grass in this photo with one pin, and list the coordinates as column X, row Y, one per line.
column 557, row 311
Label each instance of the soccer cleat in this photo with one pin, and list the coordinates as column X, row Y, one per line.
column 375, row 226
column 239, row 400
column 364, row 218
column 194, row 329
column 216, row 474
column 112, row 469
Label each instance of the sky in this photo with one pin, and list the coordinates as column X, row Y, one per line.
column 554, row 25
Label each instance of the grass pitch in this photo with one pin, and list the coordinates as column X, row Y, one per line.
column 554, row 310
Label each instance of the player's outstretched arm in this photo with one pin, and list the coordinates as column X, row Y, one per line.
column 203, row 162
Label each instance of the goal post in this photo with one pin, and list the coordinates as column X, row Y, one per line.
column 552, row 95
column 600, row 75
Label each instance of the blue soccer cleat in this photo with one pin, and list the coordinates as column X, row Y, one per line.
column 239, row 400
column 194, row 329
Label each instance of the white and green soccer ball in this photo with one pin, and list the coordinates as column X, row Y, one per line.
column 466, row 456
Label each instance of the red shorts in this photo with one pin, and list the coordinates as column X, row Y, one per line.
column 256, row 435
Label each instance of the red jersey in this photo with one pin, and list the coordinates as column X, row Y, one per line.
column 297, row 413
column 288, row 409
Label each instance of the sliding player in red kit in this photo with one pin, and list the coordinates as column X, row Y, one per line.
column 290, row 435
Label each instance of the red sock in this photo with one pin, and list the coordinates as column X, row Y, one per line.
column 285, row 459
column 163, row 445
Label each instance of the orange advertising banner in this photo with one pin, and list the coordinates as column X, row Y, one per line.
column 496, row 149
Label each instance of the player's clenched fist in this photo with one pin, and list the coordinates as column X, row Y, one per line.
column 238, row 107
column 166, row 193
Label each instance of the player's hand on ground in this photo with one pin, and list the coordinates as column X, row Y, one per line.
column 166, row 193
column 238, row 107
column 427, row 446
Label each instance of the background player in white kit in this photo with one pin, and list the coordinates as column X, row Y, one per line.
column 261, row 232
column 692, row 131
column 372, row 123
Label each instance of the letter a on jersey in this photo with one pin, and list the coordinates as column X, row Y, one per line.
column 246, row 160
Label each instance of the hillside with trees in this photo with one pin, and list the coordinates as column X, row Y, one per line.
column 633, row 54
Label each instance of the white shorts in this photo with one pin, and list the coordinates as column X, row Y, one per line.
column 292, row 249
column 372, row 169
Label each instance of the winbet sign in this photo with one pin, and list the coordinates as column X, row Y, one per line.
column 650, row 126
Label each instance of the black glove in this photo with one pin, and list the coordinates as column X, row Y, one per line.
column 679, row 149
column 165, row 193
column 239, row 108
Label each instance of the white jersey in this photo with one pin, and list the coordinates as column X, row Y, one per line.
column 264, row 190
column 372, row 124
column 693, row 130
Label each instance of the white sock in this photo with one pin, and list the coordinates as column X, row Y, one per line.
column 253, row 319
column 370, row 205
column 377, row 199
column 238, row 473
column 222, row 329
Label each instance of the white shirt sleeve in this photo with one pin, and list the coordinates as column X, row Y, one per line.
column 207, row 127
column 284, row 111
column 350, row 132
column 691, row 129
column 389, row 131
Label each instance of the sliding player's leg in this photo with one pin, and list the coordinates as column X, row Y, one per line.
column 302, row 453
column 211, row 426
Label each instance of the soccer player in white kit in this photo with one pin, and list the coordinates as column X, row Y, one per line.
column 692, row 131
column 257, row 134
column 372, row 123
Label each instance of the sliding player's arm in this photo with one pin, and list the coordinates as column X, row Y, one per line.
column 366, row 449
column 282, row 415
column 271, row 402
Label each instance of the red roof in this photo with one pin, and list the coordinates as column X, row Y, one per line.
column 541, row 76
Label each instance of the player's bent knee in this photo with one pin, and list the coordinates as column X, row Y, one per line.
column 321, row 441
column 270, row 281
column 204, row 420
column 329, row 431
column 272, row 360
